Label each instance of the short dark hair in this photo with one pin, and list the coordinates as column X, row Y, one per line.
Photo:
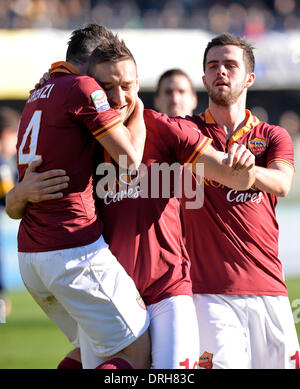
column 84, row 40
column 226, row 39
column 113, row 49
column 170, row 73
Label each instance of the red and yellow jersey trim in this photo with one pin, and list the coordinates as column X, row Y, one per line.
column 67, row 68
column 63, row 67
column 208, row 118
column 251, row 122
column 101, row 132
column 198, row 152
column 280, row 160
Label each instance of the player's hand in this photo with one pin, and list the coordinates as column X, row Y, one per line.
column 139, row 106
column 48, row 185
column 137, row 116
column 45, row 77
column 239, row 157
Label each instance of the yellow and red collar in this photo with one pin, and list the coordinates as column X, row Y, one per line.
column 251, row 122
column 63, row 67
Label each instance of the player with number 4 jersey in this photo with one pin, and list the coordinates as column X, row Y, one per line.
column 64, row 261
column 54, row 126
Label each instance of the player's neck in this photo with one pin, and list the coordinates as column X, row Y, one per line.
column 81, row 68
column 229, row 118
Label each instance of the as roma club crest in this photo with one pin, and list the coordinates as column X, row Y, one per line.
column 205, row 361
column 257, row 146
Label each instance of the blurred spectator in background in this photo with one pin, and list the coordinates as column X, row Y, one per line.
column 9, row 122
column 250, row 19
column 291, row 120
column 175, row 94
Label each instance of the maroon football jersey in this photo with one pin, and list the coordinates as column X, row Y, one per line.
column 60, row 122
column 233, row 239
column 144, row 231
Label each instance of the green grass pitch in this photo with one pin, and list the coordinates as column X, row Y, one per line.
column 29, row 340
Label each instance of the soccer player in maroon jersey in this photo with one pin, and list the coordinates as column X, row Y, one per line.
column 64, row 261
column 175, row 94
column 145, row 233
column 245, row 319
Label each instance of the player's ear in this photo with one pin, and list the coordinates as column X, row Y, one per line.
column 250, row 80
column 204, row 81
column 137, row 84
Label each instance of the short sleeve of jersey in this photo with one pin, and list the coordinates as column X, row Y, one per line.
column 87, row 102
column 184, row 139
column 280, row 148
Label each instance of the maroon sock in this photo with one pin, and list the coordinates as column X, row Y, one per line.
column 115, row 363
column 69, row 363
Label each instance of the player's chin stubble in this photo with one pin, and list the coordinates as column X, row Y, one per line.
column 225, row 99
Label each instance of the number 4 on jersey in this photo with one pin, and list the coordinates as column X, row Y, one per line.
column 32, row 131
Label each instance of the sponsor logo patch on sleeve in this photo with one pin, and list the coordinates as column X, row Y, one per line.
column 100, row 101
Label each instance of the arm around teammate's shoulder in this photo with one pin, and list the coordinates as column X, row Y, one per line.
column 234, row 169
column 128, row 140
column 87, row 102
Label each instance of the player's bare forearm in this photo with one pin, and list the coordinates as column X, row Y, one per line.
column 137, row 129
column 235, row 169
column 15, row 203
column 276, row 179
column 127, row 141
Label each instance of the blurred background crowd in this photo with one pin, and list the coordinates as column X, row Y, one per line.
column 249, row 18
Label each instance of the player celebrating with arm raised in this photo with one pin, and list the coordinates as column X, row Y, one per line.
column 245, row 319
